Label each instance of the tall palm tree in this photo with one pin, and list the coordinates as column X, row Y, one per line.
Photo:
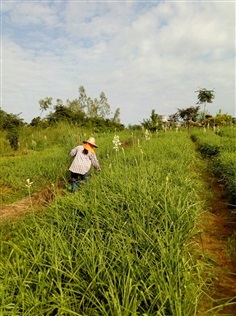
column 205, row 96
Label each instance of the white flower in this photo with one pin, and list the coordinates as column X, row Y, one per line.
column 147, row 134
column 28, row 185
column 116, row 142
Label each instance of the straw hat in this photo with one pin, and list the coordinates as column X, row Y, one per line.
column 91, row 141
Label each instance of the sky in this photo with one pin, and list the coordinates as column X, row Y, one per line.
column 144, row 55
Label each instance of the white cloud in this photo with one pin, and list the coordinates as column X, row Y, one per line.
column 144, row 56
column 31, row 13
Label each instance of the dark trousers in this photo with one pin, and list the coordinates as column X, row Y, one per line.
column 76, row 177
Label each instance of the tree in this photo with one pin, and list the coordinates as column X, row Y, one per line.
column 189, row 114
column 61, row 113
column 83, row 99
column 174, row 117
column 73, row 112
column 152, row 123
column 8, row 121
column 92, row 107
column 222, row 119
column 45, row 104
column 75, row 106
column 13, row 138
column 11, row 123
column 154, row 118
column 205, row 96
column 104, row 107
column 116, row 117
column 59, row 103
column 36, row 121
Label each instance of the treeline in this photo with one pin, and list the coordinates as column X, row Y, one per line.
column 83, row 111
column 187, row 117
column 94, row 114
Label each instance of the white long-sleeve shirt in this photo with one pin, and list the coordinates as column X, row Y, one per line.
column 82, row 162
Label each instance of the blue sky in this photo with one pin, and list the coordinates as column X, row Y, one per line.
column 143, row 54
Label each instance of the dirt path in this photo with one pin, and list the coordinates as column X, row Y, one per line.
column 218, row 247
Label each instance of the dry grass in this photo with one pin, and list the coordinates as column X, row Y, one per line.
column 36, row 202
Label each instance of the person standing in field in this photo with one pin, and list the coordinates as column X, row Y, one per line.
column 84, row 157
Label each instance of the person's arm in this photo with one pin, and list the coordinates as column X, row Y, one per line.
column 73, row 152
column 95, row 162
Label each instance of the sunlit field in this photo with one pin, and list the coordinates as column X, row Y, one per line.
column 123, row 244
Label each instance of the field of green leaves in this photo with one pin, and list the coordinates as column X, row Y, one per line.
column 123, row 245
column 220, row 148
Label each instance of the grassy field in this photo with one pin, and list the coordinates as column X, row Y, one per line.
column 122, row 245
column 220, row 148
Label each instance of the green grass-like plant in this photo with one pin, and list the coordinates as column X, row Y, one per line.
column 225, row 166
column 221, row 149
column 120, row 245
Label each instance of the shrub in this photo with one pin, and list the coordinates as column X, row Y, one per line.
column 225, row 165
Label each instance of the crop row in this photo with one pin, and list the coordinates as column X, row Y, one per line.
column 42, row 158
column 120, row 246
column 221, row 149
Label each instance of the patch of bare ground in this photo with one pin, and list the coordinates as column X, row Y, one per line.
column 217, row 245
column 36, row 202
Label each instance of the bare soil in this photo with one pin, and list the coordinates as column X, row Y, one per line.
column 217, row 244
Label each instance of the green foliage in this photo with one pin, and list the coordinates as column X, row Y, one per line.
column 42, row 168
column 45, row 104
column 122, row 245
column 188, row 114
column 116, row 117
column 35, row 160
column 66, row 114
column 151, row 123
column 97, row 112
column 205, row 96
column 75, row 106
column 222, row 119
column 221, row 148
column 9, row 121
column 99, row 125
column 95, row 108
column 104, row 107
column 39, row 123
column 135, row 127
column 229, row 132
column 4, row 143
column 13, row 138
column 225, row 166
column 83, row 99
column 118, row 247
column 210, row 143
